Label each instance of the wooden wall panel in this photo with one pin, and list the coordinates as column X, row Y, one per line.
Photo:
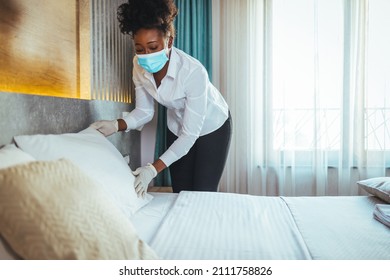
column 38, row 52
column 69, row 48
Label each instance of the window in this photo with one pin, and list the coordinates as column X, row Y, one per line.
column 320, row 73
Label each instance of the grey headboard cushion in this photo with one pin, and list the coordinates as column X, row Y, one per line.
column 25, row 114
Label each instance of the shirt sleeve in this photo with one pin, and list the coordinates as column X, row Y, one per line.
column 144, row 107
column 196, row 87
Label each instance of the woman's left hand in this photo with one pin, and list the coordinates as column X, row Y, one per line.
column 144, row 175
column 106, row 128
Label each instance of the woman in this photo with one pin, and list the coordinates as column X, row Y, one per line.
column 199, row 124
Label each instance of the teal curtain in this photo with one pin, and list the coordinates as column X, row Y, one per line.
column 193, row 30
column 193, row 36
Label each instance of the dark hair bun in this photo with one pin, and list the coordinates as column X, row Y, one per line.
column 137, row 14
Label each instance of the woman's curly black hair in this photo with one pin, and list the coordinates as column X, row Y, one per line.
column 149, row 14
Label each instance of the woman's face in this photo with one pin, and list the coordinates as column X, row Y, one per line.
column 150, row 40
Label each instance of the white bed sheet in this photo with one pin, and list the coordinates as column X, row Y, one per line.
column 148, row 219
column 204, row 225
column 341, row 228
column 200, row 225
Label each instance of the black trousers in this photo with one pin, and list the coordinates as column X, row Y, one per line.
column 201, row 168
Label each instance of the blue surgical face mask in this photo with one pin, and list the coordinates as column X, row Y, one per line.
column 153, row 62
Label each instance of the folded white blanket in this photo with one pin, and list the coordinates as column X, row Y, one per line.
column 382, row 213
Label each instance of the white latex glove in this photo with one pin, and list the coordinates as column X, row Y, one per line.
column 144, row 175
column 106, row 127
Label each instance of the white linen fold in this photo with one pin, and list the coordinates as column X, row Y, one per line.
column 382, row 213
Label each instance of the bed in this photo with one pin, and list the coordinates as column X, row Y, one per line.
column 70, row 196
column 188, row 225
column 251, row 227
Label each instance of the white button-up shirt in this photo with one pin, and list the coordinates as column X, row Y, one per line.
column 194, row 106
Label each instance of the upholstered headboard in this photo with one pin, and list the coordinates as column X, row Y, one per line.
column 24, row 114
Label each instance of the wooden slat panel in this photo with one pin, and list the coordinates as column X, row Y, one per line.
column 113, row 52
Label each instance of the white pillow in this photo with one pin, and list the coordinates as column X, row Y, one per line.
column 93, row 154
column 378, row 186
column 10, row 155
column 52, row 210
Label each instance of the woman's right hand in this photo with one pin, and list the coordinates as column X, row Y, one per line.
column 107, row 128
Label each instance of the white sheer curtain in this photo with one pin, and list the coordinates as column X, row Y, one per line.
column 308, row 85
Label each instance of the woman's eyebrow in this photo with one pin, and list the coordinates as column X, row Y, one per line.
column 150, row 42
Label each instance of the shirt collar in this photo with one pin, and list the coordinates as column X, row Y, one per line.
column 173, row 63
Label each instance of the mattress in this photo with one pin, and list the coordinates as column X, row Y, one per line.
column 226, row 226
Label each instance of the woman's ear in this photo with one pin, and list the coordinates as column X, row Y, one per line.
column 170, row 42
